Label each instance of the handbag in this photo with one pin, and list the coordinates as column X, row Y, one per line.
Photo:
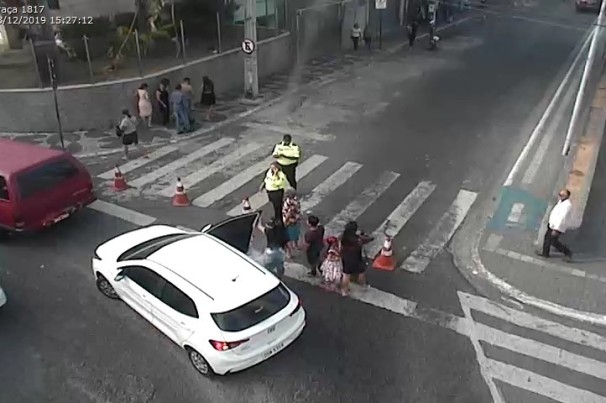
column 119, row 131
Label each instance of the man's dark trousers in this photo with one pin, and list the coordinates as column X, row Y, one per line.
column 290, row 171
column 554, row 240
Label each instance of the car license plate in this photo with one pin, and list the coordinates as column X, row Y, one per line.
column 273, row 350
column 61, row 217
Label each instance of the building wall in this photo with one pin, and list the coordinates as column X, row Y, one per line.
column 98, row 106
column 94, row 8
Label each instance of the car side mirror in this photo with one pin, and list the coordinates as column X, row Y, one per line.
column 206, row 227
column 120, row 276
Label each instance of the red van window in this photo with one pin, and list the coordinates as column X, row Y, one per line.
column 3, row 189
column 45, row 177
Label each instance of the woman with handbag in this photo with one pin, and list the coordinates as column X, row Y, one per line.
column 127, row 130
column 352, row 254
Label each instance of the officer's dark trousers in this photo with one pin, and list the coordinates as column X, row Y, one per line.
column 290, row 171
column 554, row 240
column 275, row 198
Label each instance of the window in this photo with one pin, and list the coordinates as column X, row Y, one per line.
column 53, row 4
column 146, row 279
column 177, row 300
column 254, row 312
column 147, row 248
column 45, row 177
column 3, row 189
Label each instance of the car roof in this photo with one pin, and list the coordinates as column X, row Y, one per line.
column 221, row 272
column 16, row 156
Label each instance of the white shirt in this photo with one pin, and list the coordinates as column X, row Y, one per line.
column 559, row 215
column 356, row 32
column 128, row 125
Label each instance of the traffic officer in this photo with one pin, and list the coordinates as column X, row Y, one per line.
column 274, row 184
column 287, row 155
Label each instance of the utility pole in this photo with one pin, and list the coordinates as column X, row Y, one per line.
column 251, row 73
column 53, row 78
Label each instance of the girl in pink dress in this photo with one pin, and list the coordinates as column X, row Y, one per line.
column 144, row 104
column 332, row 267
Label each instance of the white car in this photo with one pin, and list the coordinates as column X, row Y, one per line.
column 2, row 298
column 202, row 290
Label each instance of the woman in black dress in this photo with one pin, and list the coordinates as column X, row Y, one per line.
column 352, row 242
column 163, row 102
column 208, row 96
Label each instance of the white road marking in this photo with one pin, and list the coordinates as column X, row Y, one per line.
column 291, row 131
column 139, row 162
column 541, row 351
column 439, row 236
column 515, row 215
column 209, row 170
column 541, row 385
column 523, row 319
column 539, row 127
column 122, row 213
column 400, row 216
column 181, row 162
column 361, row 202
column 232, row 184
column 329, row 185
column 259, row 199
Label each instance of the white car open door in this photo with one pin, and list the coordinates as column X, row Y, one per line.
column 235, row 231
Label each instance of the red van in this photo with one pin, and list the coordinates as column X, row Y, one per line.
column 39, row 186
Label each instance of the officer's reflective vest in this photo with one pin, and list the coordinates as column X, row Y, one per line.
column 275, row 182
column 292, row 151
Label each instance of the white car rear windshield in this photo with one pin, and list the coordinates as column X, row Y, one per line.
column 253, row 312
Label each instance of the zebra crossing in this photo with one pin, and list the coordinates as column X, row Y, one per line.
column 218, row 174
column 539, row 356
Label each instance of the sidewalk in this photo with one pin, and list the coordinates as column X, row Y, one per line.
column 231, row 107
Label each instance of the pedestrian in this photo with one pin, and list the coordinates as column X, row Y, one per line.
column 274, row 184
column 558, row 222
column 188, row 93
column 208, row 96
column 274, row 255
column 178, row 105
column 412, row 28
column 144, row 104
column 291, row 217
column 162, row 98
column 314, row 243
column 127, row 130
column 356, row 33
column 332, row 267
column 354, row 262
column 287, row 155
column 368, row 37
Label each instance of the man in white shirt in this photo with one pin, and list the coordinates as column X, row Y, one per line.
column 558, row 221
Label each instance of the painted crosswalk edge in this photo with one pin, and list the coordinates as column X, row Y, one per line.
column 122, row 213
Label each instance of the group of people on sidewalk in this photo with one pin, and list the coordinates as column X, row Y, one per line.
column 338, row 259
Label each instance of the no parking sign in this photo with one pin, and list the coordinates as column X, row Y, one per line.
column 248, row 46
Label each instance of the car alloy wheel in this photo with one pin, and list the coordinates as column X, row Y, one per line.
column 106, row 288
column 199, row 363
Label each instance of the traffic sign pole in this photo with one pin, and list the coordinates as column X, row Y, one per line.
column 251, row 73
column 52, row 73
column 380, row 5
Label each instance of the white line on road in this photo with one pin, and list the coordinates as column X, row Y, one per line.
column 232, row 184
column 122, row 213
column 181, row 162
column 400, row 215
column 541, row 351
column 291, row 131
column 515, row 215
column 362, row 202
column 209, row 170
column 523, row 319
column 539, row 127
column 329, row 185
column 541, row 385
column 439, row 236
column 259, row 199
column 139, row 162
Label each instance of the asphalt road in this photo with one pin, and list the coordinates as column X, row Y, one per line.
column 450, row 117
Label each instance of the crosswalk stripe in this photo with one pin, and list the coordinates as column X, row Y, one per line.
column 232, row 184
column 290, row 131
column 259, row 199
column 139, row 162
column 540, row 385
column 523, row 319
column 329, row 185
column 419, row 259
column 181, row 162
column 209, row 170
column 400, row 215
column 122, row 213
column 536, row 349
column 361, row 202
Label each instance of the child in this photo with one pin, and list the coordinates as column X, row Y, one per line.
column 314, row 240
column 332, row 267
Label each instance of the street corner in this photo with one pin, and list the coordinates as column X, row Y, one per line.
column 518, row 212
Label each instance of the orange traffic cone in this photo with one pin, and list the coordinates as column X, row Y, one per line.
column 246, row 208
column 385, row 259
column 180, row 199
column 119, row 181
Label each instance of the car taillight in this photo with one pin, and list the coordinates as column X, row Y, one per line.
column 226, row 345
column 297, row 308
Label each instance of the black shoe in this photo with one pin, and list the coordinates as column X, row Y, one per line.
column 538, row 253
